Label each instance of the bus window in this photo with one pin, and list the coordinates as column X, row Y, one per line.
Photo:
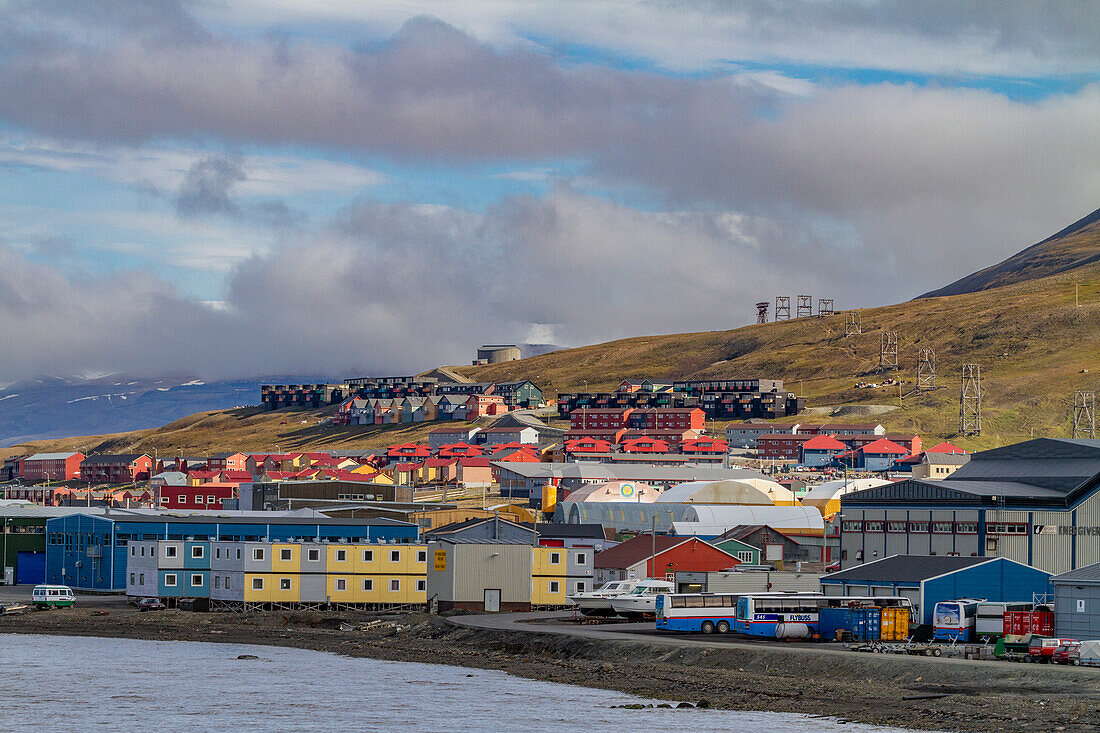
column 679, row 602
column 694, row 601
column 712, row 601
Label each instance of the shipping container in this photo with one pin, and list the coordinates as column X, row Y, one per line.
column 895, row 624
column 831, row 619
column 1019, row 623
column 866, row 624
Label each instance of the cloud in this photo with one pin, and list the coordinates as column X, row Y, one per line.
column 207, row 188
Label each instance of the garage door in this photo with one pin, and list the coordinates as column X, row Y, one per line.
column 30, row 568
column 882, row 590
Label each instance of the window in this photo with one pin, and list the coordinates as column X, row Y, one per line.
column 553, row 586
column 181, row 499
column 198, row 499
column 368, row 584
column 873, row 526
column 196, row 551
column 133, row 551
column 395, row 584
column 196, row 579
column 141, row 579
column 368, row 555
column 850, row 525
column 966, row 527
column 284, row 583
column 227, row 582
column 395, row 555
column 341, row 556
column 859, row 555
column 555, row 558
column 132, row 578
column 580, row 586
column 843, row 555
column 218, row 553
column 238, row 553
column 918, row 527
column 210, row 500
column 942, row 527
column 341, row 584
column 285, row 553
column 217, row 581
column 257, row 584
column 164, row 500
column 422, row 556
column 896, row 527
column 581, row 558
column 745, row 556
column 421, row 585
column 1007, row 528
column 170, row 580
column 314, row 555
column 170, row 551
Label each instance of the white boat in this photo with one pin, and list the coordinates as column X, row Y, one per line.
column 597, row 602
column 642, row 601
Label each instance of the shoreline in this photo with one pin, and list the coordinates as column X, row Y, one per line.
column 903, row 692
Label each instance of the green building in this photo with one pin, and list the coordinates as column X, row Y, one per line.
column 746, row 553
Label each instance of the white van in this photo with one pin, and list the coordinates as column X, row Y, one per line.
column 52, row 596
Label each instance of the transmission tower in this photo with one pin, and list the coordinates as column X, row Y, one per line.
column 782, row 307
column 970, row 400
column 762, row 312
column 853, row 323
column 1084, row 415
column 926, row 368
column 825, row 307
column 888, row 353
column 805, row 306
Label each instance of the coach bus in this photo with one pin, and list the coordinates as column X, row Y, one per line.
column 954, row 620
column 773, row 615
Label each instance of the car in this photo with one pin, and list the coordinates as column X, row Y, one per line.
column 150, row 604
column 832, row 567
column 1065, row 652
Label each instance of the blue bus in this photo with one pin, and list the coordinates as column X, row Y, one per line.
column 771, row 615
column 954, row 620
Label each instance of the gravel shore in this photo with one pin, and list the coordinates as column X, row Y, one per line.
column 909, row 692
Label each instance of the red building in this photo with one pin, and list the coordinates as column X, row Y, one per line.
column 635, row 559
column 705, row 446
column 644, row 445
column 51, row 467
column 782, row 446
column 911, row 443
column 408, row 452
column 204, row 496
column 223, row 461
column 459, row 450
column 480, row 405
column 587, row 445
column 120, row 469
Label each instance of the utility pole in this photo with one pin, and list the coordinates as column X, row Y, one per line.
column 926, row 368
column 970, row 400
column 1084, row 415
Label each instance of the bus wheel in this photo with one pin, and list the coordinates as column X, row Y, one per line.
column 723, row 627
column 708, row 627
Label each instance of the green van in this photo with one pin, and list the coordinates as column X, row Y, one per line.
column 52, row 596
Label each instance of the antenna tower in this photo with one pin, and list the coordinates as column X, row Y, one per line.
column 926, row 369
column 1084, row 415
column 805, row 306
column 853, row 323
column 970, row 400
column 825, row 307
column 762, row 312
column 888, row 353
column 782, row 307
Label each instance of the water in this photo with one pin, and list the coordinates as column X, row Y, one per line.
column 88, row 684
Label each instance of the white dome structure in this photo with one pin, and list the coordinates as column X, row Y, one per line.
column 746, row 491
column 619, row 491
column 711, row 521
column 826, row 497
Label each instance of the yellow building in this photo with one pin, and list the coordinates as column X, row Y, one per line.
column 272, row 587
column 548, row 574
column 363, row 573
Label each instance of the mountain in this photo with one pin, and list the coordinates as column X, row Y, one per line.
column 1075, row 246
column 50, row 406
column 1036, row 347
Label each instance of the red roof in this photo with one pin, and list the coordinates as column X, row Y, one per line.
column 235, row 475
column 513, row 446
column 704, row 445
column 460, row 449
column 587, row 445
column 279, row 474
column 409, row 449
column 202, row 474
column 406, row 467
column 645, row 445
column 824, row 442
column 884, row 445
column 439, row 462
column 944, row 447
column 475, row 462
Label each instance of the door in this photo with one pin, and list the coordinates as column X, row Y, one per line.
column 492, row 600
column 30, row 568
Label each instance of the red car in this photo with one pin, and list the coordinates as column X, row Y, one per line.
column 1042, row 648
column 1063, row 654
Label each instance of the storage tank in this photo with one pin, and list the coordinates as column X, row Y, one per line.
column 497, row 353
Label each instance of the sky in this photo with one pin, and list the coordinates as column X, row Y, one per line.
column 232, row 188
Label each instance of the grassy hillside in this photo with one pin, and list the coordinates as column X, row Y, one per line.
column 1075, row 246
column 1032, row 343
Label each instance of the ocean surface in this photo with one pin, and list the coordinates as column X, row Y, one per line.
column 63, row 683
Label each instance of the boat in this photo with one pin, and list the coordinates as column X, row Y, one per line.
column 642, row 601
column 597, row 602
column 12, row 609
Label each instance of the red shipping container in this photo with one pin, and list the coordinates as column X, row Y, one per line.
column 1019, row 623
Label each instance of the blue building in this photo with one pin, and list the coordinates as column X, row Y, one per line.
column 90, row 552
column 927, row 580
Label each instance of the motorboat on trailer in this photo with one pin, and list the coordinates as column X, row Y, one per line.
column 597, row 602
column 642, row 601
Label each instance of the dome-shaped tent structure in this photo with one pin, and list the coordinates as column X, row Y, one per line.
column 826, row 497
column 634, row 491
column 746, row 491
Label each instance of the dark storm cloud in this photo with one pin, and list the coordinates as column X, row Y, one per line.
column 208, row 186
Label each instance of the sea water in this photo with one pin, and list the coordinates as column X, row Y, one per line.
column 62, row 683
